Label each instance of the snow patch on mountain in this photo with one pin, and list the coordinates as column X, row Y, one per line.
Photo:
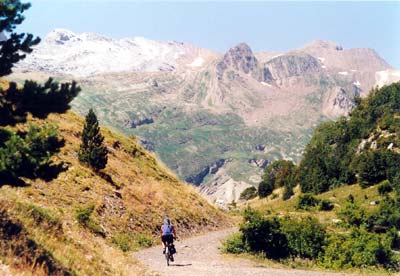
column 198, row 62
column 64, row 52
column 386, row 77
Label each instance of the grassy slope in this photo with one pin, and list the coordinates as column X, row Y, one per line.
column 130, row 200
column 338, row 197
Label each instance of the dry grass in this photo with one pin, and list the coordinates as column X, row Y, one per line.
column 131, row 197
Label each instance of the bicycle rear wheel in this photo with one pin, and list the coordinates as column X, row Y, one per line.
column 167, row 255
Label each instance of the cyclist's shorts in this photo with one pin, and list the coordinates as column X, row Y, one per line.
column 167, row 238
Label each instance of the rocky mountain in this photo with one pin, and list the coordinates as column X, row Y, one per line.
column 213, row 119
column 64, row 52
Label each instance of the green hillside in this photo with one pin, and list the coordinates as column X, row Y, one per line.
column 344, row 212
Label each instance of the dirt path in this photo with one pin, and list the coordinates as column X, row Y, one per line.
column 200, row 256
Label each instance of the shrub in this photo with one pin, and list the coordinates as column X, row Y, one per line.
column 306, row 201
column 263, row 235
column 385, row 187
column 144, row 241
column 325, row 205
column 352, row 214
column 123, row 241
column 235, row 244
column 83, row 215
column 386, row 217
column 265, row 188
column 248, row 193
column 305, row 237
column 40, row 214
column 287, row 192
column 359, row 249
column 281, row 173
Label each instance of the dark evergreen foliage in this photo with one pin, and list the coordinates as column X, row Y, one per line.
column 331, row 158
column 281, row 173
column 92, row 150
column 248, row 193
column 39, row 100
column 13, row 49
column 27, row 154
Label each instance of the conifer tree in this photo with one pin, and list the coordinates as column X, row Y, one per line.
column 92, row 150
column 26, row 154
column 13, row 48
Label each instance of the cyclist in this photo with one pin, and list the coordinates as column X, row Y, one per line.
column 167, row 234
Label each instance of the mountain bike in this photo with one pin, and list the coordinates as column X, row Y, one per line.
column 169, row 253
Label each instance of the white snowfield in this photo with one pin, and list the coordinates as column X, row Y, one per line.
column 387, row 76
column 65, row 52
column 198, row 62
column 344, row 73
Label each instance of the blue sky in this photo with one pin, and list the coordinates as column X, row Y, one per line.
column 265, row 26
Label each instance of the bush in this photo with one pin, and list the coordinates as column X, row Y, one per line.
column 306, row 201
column 325, row 205
column 287, row 192
column 359, row 249
column 305, row 237
column 248, row 193
column 235, row 244
column 127, row 241
column 123, row 241
column 352, row 214
column 265, row 188
column 83, row 215
column 386, row 217
column 385, row 187
column 25, row 154
column 263, row 235
column 40, row 215
column 144, row 241
column 281, row 173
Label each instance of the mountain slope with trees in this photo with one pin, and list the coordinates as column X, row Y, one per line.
column 362, row 148
column 348, row 194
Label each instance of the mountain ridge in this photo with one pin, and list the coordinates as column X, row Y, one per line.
column 200, row 107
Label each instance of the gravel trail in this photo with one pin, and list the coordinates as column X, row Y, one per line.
column 200, row 256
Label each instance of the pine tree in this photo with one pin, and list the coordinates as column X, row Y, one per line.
column 92, row 150
column 26, row 154
column 14, row 48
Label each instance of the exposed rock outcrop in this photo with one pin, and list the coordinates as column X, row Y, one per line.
column 138, row 122
column 239, row 58
column 198, row 178
column 341, row 101
column 291, row 65
column 261, row 163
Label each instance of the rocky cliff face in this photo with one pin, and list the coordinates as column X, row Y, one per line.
column 288, row 66
column 239, row 58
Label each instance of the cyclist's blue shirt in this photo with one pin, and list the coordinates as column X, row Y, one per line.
column 166, row 229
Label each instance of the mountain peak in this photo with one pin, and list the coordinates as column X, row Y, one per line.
column 60, row 36
column 240, row 57
column 325, row 44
